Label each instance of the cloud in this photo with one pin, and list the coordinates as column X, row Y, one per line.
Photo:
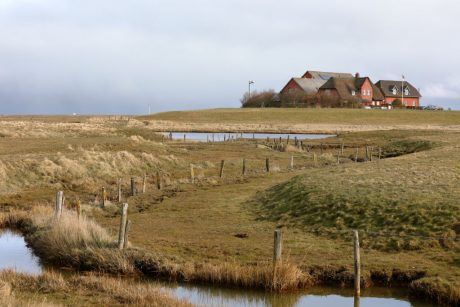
column 439, row 90
column 121, row 56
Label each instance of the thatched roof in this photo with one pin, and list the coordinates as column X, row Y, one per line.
column 346, row 86
column 387, row 86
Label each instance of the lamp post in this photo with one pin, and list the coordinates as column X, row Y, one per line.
column 402, row 91
column 250, row 82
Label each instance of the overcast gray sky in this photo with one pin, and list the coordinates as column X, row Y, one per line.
column 111, row 56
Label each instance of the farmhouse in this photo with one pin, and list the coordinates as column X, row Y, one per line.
column 310, row 82
column 350, row 92
column 404, row 91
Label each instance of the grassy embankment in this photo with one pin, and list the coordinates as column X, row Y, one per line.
column 170, row 223
column 303, row 120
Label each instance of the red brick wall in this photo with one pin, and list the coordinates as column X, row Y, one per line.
column 366, row 91
column 408, row 101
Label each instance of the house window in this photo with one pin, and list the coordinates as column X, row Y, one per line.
column 406, row 91
column 353, row 93
column 368, row 92
column 363, row 92
column 394, row 91
column 378, row 103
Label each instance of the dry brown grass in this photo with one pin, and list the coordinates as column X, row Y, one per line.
column 101, row 290
column 287, row 276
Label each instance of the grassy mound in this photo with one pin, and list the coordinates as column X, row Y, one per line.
column 397, row 204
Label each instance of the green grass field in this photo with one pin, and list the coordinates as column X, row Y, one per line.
column 311, row 116
column 405, row 206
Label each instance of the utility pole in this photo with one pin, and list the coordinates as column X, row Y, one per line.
column 402, row 91
column 250, row 82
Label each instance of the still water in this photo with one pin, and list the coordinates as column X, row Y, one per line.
column 14, row 254
column 219, row 137
column 318, row 296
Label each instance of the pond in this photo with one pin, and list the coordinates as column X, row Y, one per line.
column 14, row 254
column 219, row 137
column 318, row 296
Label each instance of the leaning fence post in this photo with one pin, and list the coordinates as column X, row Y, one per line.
column 78, row 209
column 119, row 190
column 58, row 207
column 221, row 172
column 133, row 186
column 277, row 247
column 125, row 240
column 123, row 219
column 267, row 165
column 192, row 174
column 103, row 197
column 144, row 179
column 243, row 171
column 158, row 179
column 357, row 263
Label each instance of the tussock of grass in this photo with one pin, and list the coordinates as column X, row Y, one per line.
column 286, row 277
column 102, row 290
column 436, row 289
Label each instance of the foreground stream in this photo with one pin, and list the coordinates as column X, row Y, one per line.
column 14, row 254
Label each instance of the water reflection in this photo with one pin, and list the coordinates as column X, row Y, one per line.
column 219, row 137
column 14, row 254
column 320, row 296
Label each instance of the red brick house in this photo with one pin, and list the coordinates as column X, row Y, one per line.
column 351, row 92
column 404, row 91
column 310, row 82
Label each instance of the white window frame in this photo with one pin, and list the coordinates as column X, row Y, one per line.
column 353, row 93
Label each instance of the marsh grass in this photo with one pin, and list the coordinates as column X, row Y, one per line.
column 90, row 289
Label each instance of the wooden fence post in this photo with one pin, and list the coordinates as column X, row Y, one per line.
column 78, row 209
column 287, row 140
column 367, row 153
column 267, row 165
column 158, row 179
column 123, row 221
column 370, row 153
column 277, row 246
column 58, row 207
column 184, row 137
column 144, row 179
column 221, row 172
column 321, row 147
column 341, row 148
column 338, row 157
column 125, row 240
column 133, row 186
column 356, row 154
column 119, row 190
column 103, row 197
column 292, row 162
column 357, row 263
column 192, row 174
column 315, row 159
column 243, row 171
column 380, row 152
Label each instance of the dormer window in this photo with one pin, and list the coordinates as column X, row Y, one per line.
column 394, row 90
column 353, row 93
column 406, row 91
